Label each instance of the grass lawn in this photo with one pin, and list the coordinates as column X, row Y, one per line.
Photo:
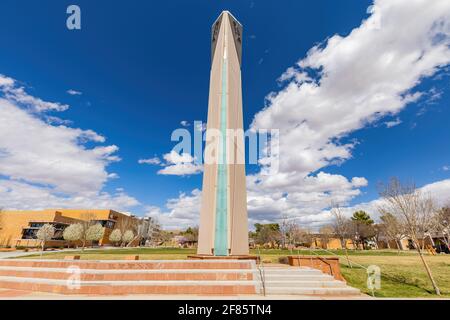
column 120, row 253
column 401, row 276
column 402, row 273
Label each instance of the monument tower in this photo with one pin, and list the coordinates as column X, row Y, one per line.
column 223, row 217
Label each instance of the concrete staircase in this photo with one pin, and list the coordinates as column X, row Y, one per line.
column 303, row 281
column 212, row 277
column 189, row 277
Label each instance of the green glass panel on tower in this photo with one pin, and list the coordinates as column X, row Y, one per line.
column 221, row 234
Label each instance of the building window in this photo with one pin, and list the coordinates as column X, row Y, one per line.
column 36, row 224
column 29, row 234
column 107, row 223
column 33, row 228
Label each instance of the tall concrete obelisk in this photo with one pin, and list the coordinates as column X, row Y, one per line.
column 223, row 217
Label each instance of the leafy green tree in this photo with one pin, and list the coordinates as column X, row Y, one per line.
column 362, row 217
column 191, row 234
column 362, row 226
column 267, row 233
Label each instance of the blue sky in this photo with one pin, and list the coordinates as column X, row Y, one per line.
column 142, row 67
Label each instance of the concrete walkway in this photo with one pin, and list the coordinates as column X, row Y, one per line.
column 17, row 254
column 14, row 254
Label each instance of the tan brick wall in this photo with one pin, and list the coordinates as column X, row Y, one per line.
column 333, row 243
column 13, row 222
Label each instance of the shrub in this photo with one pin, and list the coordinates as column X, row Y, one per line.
column 115, row 236
column 45, row 233
column 283, row 260
column 128, row 236
column 74, row 232
column 95, row 232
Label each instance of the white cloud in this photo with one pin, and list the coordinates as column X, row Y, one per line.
column 113, row 175
column 17, row 195
column 47, row 165
column 9, row 88
column 341, row 86
column 56, row 120
column 6, row 81
column 153, row 161
column 179, row 164
column 180, row 212
column 393, row 123
column 37, row 152
column 74, row 92
column 446, row 168
column 346, row 84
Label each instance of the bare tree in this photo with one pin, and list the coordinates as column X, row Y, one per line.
column 442, row 224
column 414, row 211
column 302, row 236
column 288, row 229
column 392, row 229
column 341, row 228
column 325, row 234
column 284, row 227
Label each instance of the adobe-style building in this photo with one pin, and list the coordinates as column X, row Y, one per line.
column 19, row 228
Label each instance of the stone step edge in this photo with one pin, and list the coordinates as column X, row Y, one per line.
column 291, row 269
column 303, row 281
column 295, row 274
column 290, row 290
column 297, row 289
column 132, row 261
column 131, row 282
column 125, row 271
column 310, row 285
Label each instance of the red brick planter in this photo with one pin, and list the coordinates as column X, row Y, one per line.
column 329, row 265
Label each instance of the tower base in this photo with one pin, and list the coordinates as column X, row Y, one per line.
column 209, row 257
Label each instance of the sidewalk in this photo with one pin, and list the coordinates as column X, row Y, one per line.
column 16, row 254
